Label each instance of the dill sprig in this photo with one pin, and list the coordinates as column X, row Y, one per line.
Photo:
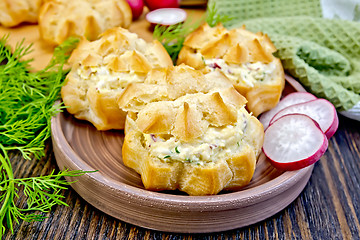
column 172, row 37
column 27, row 104
column 213, row 17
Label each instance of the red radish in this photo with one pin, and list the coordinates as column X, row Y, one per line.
column 156, row 4
column 137, row 7
column 294, row 141
column 166, row 16
column 320, row 110
column 290, row 99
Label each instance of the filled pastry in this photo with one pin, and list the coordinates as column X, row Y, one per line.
column 60, row 19
column 190, row 131
column 200, row 143
column 102, row 69
column 244, row 57
column 14, row 12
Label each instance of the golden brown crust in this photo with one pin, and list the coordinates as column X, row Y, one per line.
column 205, row 180
column 60, row 19
column 188, row 123
column 189, row 120
column 242, row 166
column 236, row 47
column 158, row 123
column 216, row 48
column 200, row 116
column 263, row 98
column 169, row 84
column 14, row 12
column 200, row 38
column 155, row 175
column 100, row 72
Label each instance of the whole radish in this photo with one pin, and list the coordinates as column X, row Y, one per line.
column 156, row 4
column 137, row 8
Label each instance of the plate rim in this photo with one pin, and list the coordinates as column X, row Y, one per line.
column 224, row 201
column 169, row 212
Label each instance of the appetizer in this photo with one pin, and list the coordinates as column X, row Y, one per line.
column 199, row 139
column 60, row 19
column 14, row 12
column 244, row 57
column 102, row 69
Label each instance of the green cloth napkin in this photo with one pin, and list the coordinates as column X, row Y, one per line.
column 323, row 54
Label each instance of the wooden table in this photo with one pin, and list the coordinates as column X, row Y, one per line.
column 328, row 208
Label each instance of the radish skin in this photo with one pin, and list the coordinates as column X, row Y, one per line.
column 156, row 4
column 290, row 99
column 137, row 8
column 320, row 110
column 294, row 141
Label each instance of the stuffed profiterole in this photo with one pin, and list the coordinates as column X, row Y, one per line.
column 60, row 19
column 102, row 69
column 244, row 57
column 15, row 12
column 200, row 140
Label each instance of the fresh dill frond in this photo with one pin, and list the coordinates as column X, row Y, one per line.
column 356, row 17
column 213, row 17
column 27, row 104
column 42, row 194
column 172, row 37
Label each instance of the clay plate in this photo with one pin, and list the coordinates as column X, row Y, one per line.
column 118, row 191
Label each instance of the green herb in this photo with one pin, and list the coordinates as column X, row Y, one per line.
column 356, row 13
column 177, row 150
column 213, row 17
column 167, row 156
column 172, row 37
column 26, row 108
column 188, row 160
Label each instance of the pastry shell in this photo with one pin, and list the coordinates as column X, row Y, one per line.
column 14, row 12
column 162, row 84
column 60, row 19
column 185, row 105
column 188, row 120
column 237, row 48
column 102, row 69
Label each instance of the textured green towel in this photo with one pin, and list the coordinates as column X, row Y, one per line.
column 323, row 54
column 241, row 10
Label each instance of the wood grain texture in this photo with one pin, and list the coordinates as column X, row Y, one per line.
column 328, row 207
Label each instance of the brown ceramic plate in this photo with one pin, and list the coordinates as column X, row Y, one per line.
column 118, row 191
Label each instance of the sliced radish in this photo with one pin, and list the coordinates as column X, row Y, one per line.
column 166, row 16
column 294, row 141
column 320, row 110
column 290, row 99
column 137, row 7
column 155, row 4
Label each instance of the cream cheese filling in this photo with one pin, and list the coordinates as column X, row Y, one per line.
column 246, row 73
column 105, row 79
column 217, row 142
